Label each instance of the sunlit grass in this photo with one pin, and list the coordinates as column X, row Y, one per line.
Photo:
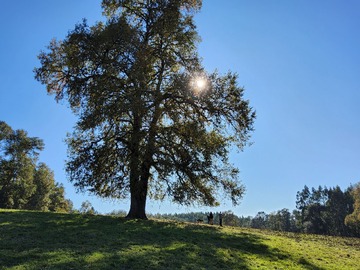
column 35, row 240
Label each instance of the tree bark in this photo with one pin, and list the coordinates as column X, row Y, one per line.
column 138, row 201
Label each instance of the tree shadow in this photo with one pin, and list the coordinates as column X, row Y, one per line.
column 61, row 241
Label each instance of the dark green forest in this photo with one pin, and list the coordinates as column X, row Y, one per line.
column 26, row 183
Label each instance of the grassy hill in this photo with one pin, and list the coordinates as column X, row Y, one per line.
column 37, row 240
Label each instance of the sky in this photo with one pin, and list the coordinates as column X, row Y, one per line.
column 299, row 62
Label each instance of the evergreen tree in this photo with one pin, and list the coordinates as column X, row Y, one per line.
column 87, row 208
column 18, row 157
column 44, row 186
column 353, row 220
column 58, row 203
column 338, row 206
column 323, row 210
column 24, row 184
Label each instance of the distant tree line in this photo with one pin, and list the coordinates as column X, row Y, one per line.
column 232, row 220
column 327, row 211
column 26, row 183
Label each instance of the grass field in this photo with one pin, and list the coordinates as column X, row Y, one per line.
column 37, row 240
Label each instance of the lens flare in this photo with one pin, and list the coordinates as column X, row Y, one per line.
column 199, row 84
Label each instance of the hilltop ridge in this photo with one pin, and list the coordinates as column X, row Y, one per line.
column 43, row 240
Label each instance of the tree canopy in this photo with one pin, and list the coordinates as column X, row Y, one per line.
column 353, row 220
column 151, row 120
column 25, row 183
column 324, row 210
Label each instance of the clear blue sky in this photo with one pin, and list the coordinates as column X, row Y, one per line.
column 299, row 62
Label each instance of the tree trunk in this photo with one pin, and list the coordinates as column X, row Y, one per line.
column 139, row 178
column 138, row 203
column 138, row 188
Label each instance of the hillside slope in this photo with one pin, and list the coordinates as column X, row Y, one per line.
column 38, row 240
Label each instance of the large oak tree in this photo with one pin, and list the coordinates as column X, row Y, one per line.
column 151, row 121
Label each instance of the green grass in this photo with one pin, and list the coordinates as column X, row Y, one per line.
column 37, row 240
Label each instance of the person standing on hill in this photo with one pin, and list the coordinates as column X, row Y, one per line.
column 220, row 219
column 211, row 218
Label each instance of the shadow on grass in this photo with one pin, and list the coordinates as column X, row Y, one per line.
column 33, row 240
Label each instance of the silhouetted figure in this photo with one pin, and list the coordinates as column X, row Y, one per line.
column 220, row 219
column 210, row 218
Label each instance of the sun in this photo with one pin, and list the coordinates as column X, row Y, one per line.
column 199, row 84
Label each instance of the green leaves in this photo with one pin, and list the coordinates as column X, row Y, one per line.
column 353, row 219
column 141, row 128
column 325, row 210
column 24, row 184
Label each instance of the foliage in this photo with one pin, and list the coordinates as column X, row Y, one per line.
column 323, row 210
column 353, row 220
column 18, row 155
column 181, row 217
column 320, row 211
column 39, row 240
column 119, row 213
column 260, row 220
column 282, row 221
column 145, row 125
column 338, row 206
column 58, row 201
column 25, row 184
column 229, row 218
column 87, row 208
column 44, row 185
